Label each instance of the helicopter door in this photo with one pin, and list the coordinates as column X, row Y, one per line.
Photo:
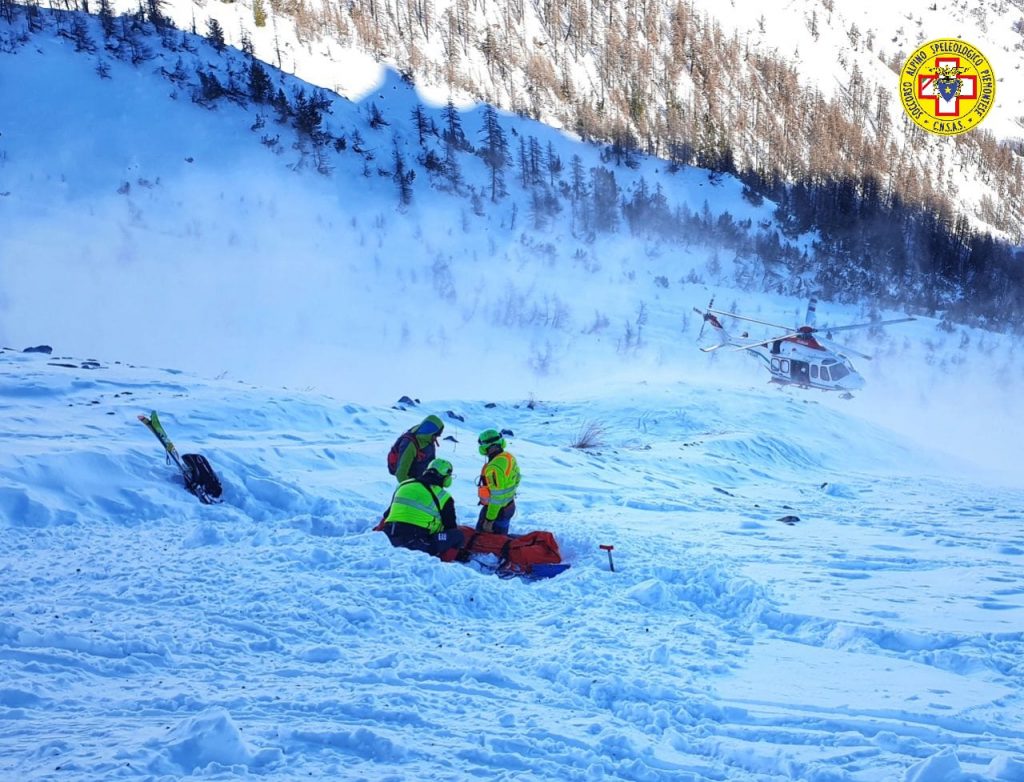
column 800, row 372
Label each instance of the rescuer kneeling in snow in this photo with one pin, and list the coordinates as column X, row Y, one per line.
column 421, row 516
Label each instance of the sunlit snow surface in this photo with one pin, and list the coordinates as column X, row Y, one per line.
column 275, row 636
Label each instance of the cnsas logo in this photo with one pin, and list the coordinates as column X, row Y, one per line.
column 947, row 86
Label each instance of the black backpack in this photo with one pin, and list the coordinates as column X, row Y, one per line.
column 200, row 479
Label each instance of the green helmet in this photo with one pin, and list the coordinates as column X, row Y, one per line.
column 489, row 438
column 443, row 468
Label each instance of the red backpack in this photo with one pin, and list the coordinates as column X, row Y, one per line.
column 529, row 553
column 396, row 450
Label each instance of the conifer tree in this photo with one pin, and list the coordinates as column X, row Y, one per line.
column 106, row 15
column 577, row 180
column 450, row 168
column 524, row 164
column 422, row 123
column 605, row 199
column 453, row 134
column 309, row 111
column 553, row 163
column 215, row 34
column 402, row 176
column 376, row 117
column 155, row 14
column 260, row 87
column 80, row 35
column 495, row 152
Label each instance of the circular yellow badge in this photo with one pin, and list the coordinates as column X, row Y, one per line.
column 947, row 86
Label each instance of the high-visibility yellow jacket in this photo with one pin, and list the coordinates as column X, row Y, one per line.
column 499, row 480
column 421, row 505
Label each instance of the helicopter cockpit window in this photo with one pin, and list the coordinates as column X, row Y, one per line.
column 824, row 373
column 839, row 372
column 814, row 371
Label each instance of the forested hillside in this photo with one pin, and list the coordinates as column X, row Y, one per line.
column 898, row 210
column 867, row 206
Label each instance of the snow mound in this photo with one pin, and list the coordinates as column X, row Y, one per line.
column 208, row 738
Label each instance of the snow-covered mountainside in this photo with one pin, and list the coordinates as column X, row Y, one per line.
column 807, row 90
column 178, row 207
column 875, row 636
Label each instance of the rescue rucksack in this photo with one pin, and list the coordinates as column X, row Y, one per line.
column 529, row 554
column 395, row 454
column 200, row 479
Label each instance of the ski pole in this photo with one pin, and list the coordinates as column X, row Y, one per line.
column 611, row 565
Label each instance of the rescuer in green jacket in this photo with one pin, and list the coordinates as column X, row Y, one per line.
column 421, row 516
column 415, row 448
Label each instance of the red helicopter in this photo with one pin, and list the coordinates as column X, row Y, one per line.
column 800, row 356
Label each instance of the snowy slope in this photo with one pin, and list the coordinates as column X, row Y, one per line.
column 276, row 636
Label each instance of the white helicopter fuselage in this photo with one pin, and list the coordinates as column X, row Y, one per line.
column 804, row 362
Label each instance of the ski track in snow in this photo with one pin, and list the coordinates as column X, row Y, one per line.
column 275, row 636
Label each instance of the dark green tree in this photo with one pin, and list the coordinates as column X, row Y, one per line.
column 452, row 135
column 422, row 123
column 215, row 34
column 309, row 112
column 553, row 163
column 494, row 152
column 80, row 35
column 261, row 89
column 155, row 14
column 403, row 177
column 605, row 199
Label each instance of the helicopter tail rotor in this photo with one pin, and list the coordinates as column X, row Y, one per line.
column 704, row 314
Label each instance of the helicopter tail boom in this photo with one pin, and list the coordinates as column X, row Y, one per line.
column 711, row 319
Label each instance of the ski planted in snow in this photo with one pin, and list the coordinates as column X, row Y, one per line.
column 199, row 477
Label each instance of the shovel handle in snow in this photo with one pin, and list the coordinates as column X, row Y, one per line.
column 611, row 565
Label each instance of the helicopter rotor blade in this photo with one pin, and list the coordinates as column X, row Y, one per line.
column 764, row 342
column 709, row 348
column 864, row 325
column 752, row 320
column 835, row 346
